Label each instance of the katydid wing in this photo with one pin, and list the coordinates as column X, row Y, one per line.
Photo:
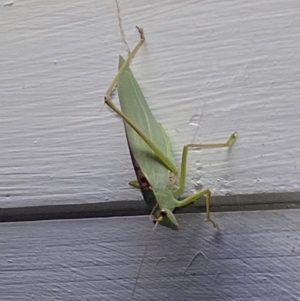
column 150, row 148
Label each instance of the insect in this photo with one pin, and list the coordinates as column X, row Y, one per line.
column 158, row 178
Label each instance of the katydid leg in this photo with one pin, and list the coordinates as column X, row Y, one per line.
column 163, row 157
column 135, row 184
column 194, row 197
column 127, row 62
column 228, row 143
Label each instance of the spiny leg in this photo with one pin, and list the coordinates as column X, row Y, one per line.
column 127, row 62
column 194, row 197
column 228, row 143
column 163, row 157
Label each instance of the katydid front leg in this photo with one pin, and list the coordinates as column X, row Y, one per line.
column 135, row 184
column 203, row 192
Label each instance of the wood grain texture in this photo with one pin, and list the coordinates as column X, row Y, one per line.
column 207, row 69
column 254, row 256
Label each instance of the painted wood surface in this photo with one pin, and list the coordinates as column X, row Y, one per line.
column 207, row 69
column 254, row 256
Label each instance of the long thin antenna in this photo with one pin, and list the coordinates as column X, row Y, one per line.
column 142, row 261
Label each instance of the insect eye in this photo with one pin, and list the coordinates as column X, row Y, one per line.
column 163, row 213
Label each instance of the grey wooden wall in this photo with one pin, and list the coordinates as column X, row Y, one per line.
column 253, row 256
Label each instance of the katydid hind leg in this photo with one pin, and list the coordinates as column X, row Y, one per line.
column 107, row 97
column 161, row 155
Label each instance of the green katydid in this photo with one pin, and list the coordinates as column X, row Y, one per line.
column 150, row 149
